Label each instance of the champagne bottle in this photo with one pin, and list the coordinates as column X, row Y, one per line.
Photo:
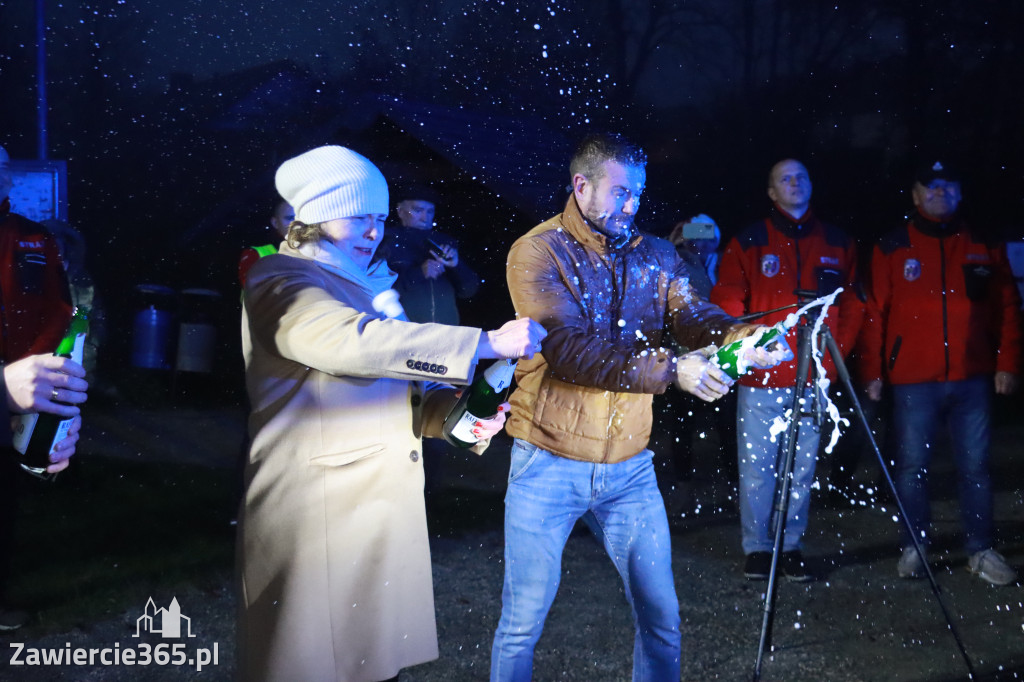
column 479, row 401
column 36, row 434
column 729, row 357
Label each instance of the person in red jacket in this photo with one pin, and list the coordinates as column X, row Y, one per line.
column 944, row 329
column 35, row 309
column 762, row 269
column 280, row 219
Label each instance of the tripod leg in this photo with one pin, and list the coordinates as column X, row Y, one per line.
column 844, row 376
column 784, row 469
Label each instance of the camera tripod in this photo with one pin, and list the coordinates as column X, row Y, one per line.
column 784, row 471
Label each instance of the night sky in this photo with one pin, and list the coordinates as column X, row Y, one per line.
column 169, row 175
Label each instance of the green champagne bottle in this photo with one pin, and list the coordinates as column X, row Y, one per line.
column 479, row 401
column 36, row 434
column 728, row 357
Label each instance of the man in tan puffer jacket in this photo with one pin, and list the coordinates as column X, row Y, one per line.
column 607, row 296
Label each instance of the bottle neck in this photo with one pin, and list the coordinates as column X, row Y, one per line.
column 499, row 375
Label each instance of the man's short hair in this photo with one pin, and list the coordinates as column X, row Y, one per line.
column 595, row 149
column 771, row 171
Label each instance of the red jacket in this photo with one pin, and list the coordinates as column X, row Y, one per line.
column 35, row 303
column 766, row 263
column 943, row 306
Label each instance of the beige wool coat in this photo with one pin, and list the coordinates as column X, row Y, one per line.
column 333, row 555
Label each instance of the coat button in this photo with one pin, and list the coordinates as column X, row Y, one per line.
column 414, row 455
column 409, row 364
column 416, row 400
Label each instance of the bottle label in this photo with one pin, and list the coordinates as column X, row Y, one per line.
column 62, row 432
column 24, row 425
column 463, row 429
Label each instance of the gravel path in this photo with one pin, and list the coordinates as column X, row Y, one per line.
column 857, row 622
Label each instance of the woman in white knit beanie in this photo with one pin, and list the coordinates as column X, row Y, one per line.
column 333, row 555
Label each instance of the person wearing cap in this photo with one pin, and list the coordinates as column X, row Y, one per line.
column 280, row 219
column 36, row 304
column 784, row 260
column 944, row 331
column 334, row 558
column 696, row 241
column 431, row 275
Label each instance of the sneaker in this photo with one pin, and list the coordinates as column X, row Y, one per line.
column 792, row 565
column 12, row 619
column 910, row 565
column 758, row 566
column 990, row 565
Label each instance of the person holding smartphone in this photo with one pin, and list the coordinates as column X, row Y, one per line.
column 431, row 277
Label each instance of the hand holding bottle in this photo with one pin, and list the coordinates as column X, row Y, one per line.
column 36, row 383
column 697, row 374
column 766, row 356
column 36, row 435
column 514, row 339
column 764, row 348
column 64, row 449
column 486, row 429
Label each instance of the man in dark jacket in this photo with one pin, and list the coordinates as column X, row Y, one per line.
column 607, row 295
column 431, row 276
column 944, row 329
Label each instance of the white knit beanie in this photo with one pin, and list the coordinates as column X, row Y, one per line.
column 331, row 182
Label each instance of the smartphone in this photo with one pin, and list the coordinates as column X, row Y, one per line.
column 698, row 231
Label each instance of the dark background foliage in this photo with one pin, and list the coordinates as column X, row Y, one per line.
column 172, row 120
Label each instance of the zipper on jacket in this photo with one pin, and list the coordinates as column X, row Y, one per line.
column 945, row 312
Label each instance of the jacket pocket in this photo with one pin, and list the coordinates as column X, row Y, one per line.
column 895, row 351
column 334, row 459
column 829, row 279
column 356, row 417
column 523, row 455
column 977, row 279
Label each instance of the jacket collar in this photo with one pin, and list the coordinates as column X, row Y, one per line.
column 576, row 225
column 793, row 228
column 936, row 228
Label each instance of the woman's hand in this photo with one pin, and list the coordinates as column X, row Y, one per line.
column 515, row 339
column 485, row 429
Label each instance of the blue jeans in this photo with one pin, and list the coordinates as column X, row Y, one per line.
column 918, row 409
column 623, row 508
column 758, row 452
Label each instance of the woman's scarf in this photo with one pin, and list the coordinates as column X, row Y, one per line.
column 376, row 280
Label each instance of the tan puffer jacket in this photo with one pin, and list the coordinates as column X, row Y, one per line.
column 587, row 396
